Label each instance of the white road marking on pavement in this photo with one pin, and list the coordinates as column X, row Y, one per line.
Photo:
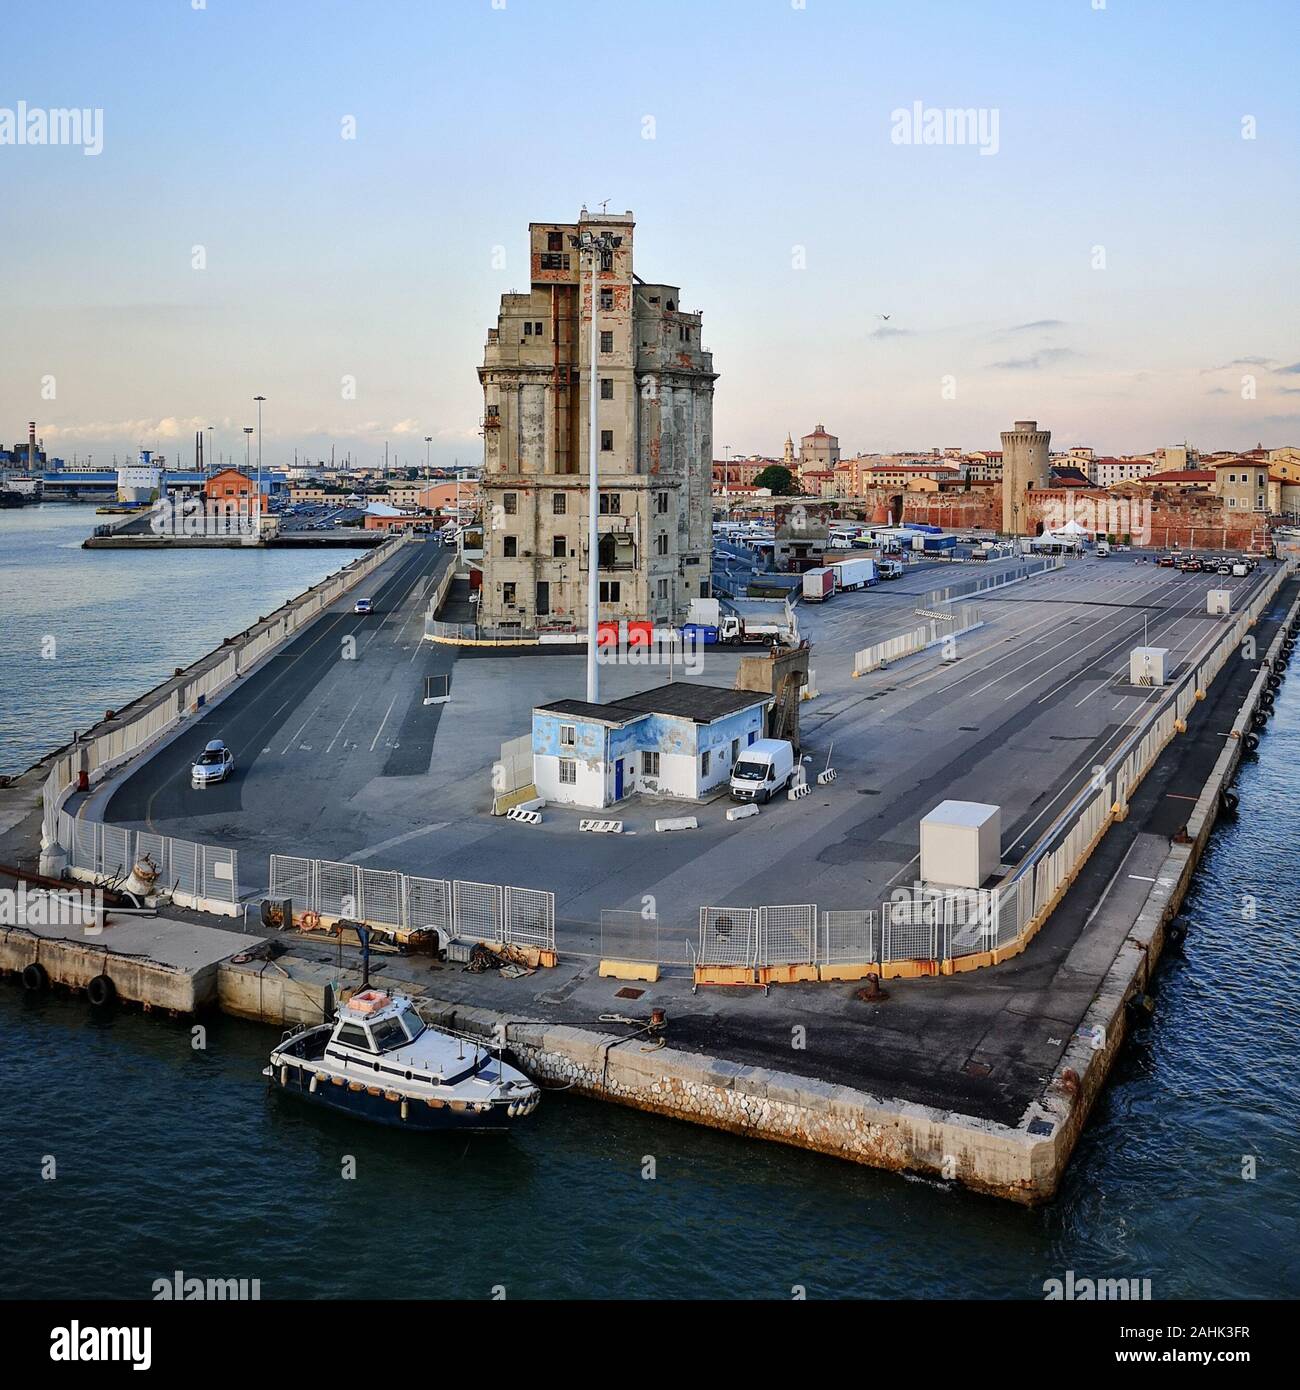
column 382, row 722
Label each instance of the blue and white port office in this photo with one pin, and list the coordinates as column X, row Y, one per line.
column 680, row 740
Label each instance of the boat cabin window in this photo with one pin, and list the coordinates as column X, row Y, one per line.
column 414, row 1023
column 350, row 1035
column 387, row 1034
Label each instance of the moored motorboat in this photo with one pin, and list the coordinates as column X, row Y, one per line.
column 380, row 1061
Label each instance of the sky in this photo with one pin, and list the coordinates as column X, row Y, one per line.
column 294, row 196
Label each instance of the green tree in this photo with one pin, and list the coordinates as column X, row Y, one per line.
column 778, row 480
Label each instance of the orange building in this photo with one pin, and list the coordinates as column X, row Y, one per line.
column 233, row 489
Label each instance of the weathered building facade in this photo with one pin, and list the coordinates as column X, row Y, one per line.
column 655, row 421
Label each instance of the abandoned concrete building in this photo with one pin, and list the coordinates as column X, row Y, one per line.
column 655, row 418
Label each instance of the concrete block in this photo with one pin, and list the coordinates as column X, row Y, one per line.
column 677, row 823
column 602, row 827
column 628, row 970
column 961, row 843
column 742, row 812
column 1218, row 602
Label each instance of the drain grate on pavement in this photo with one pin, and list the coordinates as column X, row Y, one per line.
column 627, row 992
column 977, row 1068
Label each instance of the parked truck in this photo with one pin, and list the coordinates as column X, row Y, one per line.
column 857, row 573
column 818, row 584
column 770, row 621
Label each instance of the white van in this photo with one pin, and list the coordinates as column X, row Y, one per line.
column 763, row 769
column 1102, row 549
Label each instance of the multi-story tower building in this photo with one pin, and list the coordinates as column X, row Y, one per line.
column 1025, row 465
column 655, row 418
column 819, row 452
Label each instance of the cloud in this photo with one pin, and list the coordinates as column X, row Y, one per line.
column 1266, row 362
column 888, row 332
column 1292, row 370
column 1043, row 358
column 1037, row 324
column 169, row 427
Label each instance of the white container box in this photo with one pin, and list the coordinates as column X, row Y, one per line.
column 1146, row 665
column 961, row 843
column 1218, row 602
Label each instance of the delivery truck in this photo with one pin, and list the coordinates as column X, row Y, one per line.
column 818, row 584
column 857, row 573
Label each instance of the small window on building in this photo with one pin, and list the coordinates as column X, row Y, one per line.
column 568, row 772
column 607, row 388
column 568, row 735
column 611, row 591
column 510, row 502
column 509, row 547
column 555, row 241
column 606, row 341
column 559, row 548
column 508, row 594
column 611, row 503
column 607, row 441
column 661, row 543
column 558, row 504
column 735, row 749
column 649, row 764
column 662, row 590
column 537, row 330
column 528, row 330
column 661, row 503
column 607, row 299
column 493, row 411
column 704, row 763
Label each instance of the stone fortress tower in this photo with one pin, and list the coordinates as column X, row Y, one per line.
column 1025, row 465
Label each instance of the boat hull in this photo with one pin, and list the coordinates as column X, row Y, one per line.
column 376, row 1105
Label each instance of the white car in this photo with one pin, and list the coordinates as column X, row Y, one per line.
column 363, row 605
column 214, row 764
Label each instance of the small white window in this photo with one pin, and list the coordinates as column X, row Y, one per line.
column 568, row 771
column 650, row 764
column 568, row 735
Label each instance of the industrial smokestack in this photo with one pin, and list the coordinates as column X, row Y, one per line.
column 31, row 446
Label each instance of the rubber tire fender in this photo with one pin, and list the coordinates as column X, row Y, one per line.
column 101, row 991
column 36, row 978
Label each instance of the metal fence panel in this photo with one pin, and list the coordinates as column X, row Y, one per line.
column 728, row 936
column 428, row 904
column 116, row 853
column 629, row 935
column 220, row 873
column 477, row 910
column 381, row 897
column 85, row 845
column 187, row 871
column 530, row 918
column 788, row 935
column 292, row 877
column 338, row 888
column 848, row 938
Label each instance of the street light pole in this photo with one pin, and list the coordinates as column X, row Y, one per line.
column 259, row 400
column 597, row 246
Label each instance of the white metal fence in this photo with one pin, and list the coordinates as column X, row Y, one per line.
column 190, row 874
column 407, row 903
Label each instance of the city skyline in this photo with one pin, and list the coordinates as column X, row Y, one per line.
column 257, row 221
